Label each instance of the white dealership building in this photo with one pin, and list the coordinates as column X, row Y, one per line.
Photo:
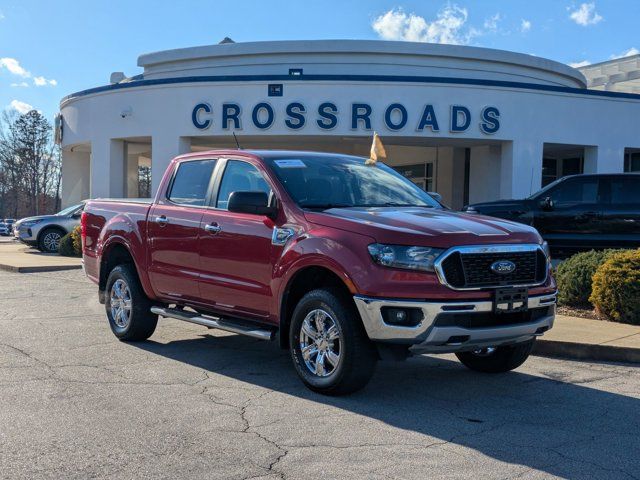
column 473, row 124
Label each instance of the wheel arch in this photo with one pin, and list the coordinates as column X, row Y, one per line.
column 54, row 226
column 304, row 280
column 113, row 254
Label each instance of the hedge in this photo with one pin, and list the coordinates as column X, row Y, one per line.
column 574, row 277
column 616, row 287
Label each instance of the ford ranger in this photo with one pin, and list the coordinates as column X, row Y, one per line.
column 342, row 262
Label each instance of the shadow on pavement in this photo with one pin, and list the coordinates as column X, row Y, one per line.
column 555, row 423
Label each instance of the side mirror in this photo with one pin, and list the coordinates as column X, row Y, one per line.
column 256, row 203
column 546, row 203
column 436, row 196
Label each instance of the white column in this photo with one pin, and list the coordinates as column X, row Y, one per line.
column 520, row 168
column 484, row 174
column 76, row 174
column 131, row 178
column 163, row 150
column 604, row 159
column 107, row 168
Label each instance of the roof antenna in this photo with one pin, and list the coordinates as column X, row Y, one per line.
column 236, row 139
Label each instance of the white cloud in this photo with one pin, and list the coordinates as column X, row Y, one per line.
column 586, row 15
column 21, row 107
column 14, row 67
column 628, row 53
column 491, row 23
column 525, row 25
column 448, row 27
column 583, row 63
column 41, row 82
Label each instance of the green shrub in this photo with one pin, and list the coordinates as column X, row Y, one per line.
column 616, row 287
column 574, row 277
column 76, row 235
column 71, row 244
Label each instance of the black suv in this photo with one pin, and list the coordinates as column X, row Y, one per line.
column 578, row 212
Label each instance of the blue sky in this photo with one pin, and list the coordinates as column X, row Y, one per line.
column 49, row 49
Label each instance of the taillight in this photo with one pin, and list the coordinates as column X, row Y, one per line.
column 83, row 228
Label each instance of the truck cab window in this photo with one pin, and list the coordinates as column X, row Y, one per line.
column 191, row 182
column 240, row 177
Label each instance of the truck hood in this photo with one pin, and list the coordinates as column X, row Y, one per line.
column 500, row 204
column 424, row 226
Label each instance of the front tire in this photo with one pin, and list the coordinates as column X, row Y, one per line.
column 49, row 240
column 128, row 308
column 497, row 360
column 329, row 347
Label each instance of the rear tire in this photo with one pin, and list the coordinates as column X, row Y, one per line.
column 502, row 359
column 49, row 240
column 127, row 306
column 327, row 326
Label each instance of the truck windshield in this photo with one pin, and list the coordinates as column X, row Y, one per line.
column 340, row 182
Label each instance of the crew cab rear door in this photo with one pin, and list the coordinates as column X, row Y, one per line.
column 236, row 253
column 574, row 218
column 173, row 229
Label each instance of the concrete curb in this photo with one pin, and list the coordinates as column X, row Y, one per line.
column 586, row 351
column 39, row 268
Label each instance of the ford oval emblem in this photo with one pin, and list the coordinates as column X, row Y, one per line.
column 503, row 267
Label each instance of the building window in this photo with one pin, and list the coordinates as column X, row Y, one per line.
column 571, row 166
column 632, row 162
column 420, row 173
column 549, row 170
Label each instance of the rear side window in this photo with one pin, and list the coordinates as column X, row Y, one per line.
column 576, row 190
column 625, row 190
column 191, row 182
column 240, row 177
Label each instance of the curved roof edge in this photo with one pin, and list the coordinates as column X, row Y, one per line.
column 361, row 46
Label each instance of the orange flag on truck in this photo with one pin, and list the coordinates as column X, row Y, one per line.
column 377, row 151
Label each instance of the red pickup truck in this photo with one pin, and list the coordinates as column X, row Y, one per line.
column 342, row 262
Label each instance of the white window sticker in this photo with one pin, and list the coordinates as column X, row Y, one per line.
column 291, row 163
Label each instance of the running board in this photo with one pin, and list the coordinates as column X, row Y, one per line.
column 213, row 322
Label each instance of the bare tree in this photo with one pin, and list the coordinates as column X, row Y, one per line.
column 30, row 165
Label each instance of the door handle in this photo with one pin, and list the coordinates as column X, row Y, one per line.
column 213, row 228
column 161, row 220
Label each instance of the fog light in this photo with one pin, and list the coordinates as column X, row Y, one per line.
column 406, row 317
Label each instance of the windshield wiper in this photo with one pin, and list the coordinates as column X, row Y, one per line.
column 325, row 206
column 392, row 204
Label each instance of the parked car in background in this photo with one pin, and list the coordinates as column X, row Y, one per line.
column 5, row 229
column 578, row 212
column 342, row 262
column 10, row 221
column 45, row 231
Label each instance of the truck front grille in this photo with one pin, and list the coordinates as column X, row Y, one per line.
column 466, row 268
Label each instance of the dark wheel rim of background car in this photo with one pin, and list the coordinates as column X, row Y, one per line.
column 51, row 241
column 320, row 343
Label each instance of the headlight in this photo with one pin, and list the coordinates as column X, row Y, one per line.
column 30, row 223
column 546, row 249
column 399, row 256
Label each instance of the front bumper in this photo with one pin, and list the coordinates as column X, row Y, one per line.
column 441, row 331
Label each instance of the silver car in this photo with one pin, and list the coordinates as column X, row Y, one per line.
column 45, row 231
column 5, row 229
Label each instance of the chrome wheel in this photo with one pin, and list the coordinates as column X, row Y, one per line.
column 320, row 343
column 51, row 241
column 484, row 352
column 120, row 303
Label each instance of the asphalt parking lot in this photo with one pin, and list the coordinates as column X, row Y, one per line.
column 194, row 403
